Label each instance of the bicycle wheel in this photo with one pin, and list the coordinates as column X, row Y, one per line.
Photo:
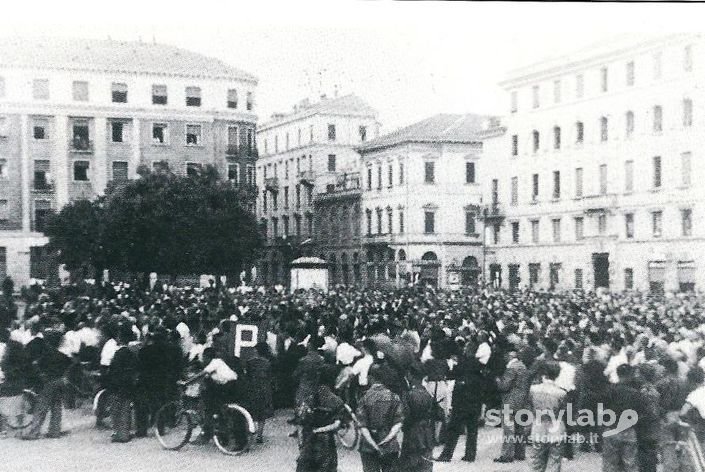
column 24, row 414
column 173, row 426
column 234, row 428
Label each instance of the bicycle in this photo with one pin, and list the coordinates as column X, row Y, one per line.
column 24, row 415
column 85, row 385
column 176, row 421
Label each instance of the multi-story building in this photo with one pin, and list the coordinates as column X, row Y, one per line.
column 306, row 158
column 78, row 114
column 595, row 170
column 421, row 199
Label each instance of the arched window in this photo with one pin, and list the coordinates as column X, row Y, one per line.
column 556, row 137
column 603, row 129
column 536, row 140
column 629, row 123
column 429, row 256
column 401, row 255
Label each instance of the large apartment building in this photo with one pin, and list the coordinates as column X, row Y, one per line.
column 422, row 203
column 78, row 114
column 597, row 170
column 306, row 158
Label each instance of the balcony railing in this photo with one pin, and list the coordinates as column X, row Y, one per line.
column 493, row 211
column 271, row 184
column 42, row 186
column 81, row 145
column 306, row 177
column 599, row 203
column 241, row 151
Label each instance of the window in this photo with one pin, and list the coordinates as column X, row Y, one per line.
column 42, row 210
column 401, row 221
column 40, row 89
column 656, row 223
column 286, row 197
column 534, row 231
column 193, row 135
column 687, row 112
column 390, row 221
column 80, row 171
column 579, row 279
column 80, row 91
column 160, row 167
column 603, row 179
column 429, row 172
column 658, row 119
column 630, row 73
column 629, row 128
column 331, row 132
column 4, row 213
column 535, row 95
column 117, row 131
column 579, row 132
column 496, row 232
column 514, row 101
column 601, row 224
column 603, row 79
column 556, row 137
column 685, row 169
column 579, row 86
column 119, row 92
column 233, row 138
column 604, row 129
column 657, row 61
column 368, row 215
column 250, row 174
column 688, row 58
column 160, row 133
column 390, row 176
column 232, row 100
column 3, row 168
column 159, row 96
column 686, row 271
column 469, row 223
column 363, row 133
column 42, row 176
column 556, row 227
column 193, row 96
column 379, row 177
column 515, row 232
column 193, row 169
column 39, row 128
column 495, row 191
column 120, row 171
column 286, row 170
column 556, row 91
column 250, row 99
column 556, row 184
column 579, row 234
column 298, row 196
column 536, row 140
column 686, row 222
column 275, row 227
column 331, row 162
column 579, row 182
column 286, row 141
column 429, row 222
column 469, row 172
column 379, row 221
column 81, row 136
column 534, row 187
column 515, row 145
column 628, row 278
column 629, row 176
column 401, row 173
column 657, row 171
column 534, row 269
column 250, row 139
column 514, row 197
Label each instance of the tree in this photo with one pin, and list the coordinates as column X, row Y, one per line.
column 163, row 223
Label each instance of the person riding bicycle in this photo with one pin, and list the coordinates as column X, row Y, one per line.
column 220, row 388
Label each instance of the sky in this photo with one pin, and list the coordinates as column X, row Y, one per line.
column 409, row 60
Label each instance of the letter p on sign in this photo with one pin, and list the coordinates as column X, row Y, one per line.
column 248, row 340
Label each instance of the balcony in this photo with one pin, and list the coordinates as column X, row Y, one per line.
column 493, row 212
column 306, row 177
column 599, row 203
column 271, row 184
column 42, row 186
column 372, row 239
column 241, row 151
column 81, row 145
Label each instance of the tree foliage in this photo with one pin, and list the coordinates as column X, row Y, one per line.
column 160, row 222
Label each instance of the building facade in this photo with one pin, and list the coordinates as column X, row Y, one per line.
column 596, row 168
column 307, row 168
column 421, row 202
column 76, row 115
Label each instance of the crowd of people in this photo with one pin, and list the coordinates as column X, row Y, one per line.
column 404, row 360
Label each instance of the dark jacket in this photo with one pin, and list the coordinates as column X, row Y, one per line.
column 122, row 375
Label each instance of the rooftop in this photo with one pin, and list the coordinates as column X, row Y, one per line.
column 98, row 55
column 441, row 128
column 346, row 105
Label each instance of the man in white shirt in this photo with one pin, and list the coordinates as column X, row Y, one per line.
column 361, row 368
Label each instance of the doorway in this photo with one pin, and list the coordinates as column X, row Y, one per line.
column 601, row 268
